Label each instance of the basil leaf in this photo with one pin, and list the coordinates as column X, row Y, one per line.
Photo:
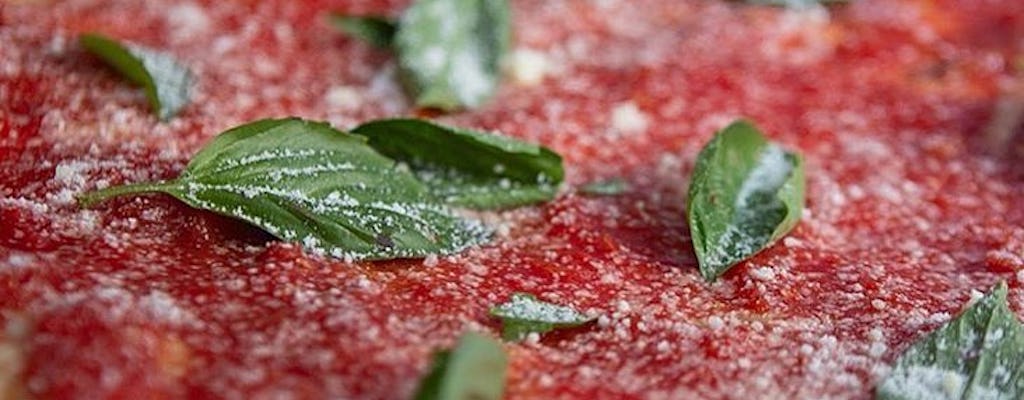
column 745, row 193
column 449, row 51
column 474, row 369
column 305, row 182
column 610, row 187
column 524, row 314
column 374, row 30
column 979, row 355
column 168, row 83
column 468, row 168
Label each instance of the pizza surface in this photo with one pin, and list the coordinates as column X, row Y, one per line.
column 909, row 211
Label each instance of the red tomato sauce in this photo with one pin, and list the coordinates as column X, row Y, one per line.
column 143, row 297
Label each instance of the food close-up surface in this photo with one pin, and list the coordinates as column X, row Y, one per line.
column 663, row 199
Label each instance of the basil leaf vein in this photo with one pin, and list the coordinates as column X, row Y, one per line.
column 474, row 369
column 745, row 193
column 469, row 168
column 306, row 182
column 167, row 82
column 375, row 30
column 978, row 355
column 449, row 51
column 524, row 314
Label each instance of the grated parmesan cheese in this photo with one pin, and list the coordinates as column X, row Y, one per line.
column 627, row 118
column 527, row 67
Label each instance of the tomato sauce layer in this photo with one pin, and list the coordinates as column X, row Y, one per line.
column 908, row 212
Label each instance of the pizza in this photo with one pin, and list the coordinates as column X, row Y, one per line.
column 906, row 114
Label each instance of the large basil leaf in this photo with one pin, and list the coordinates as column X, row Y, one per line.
column 305, row 182
column 167, row 82
column 979, row 355
column 469, row 168
column 745, row 193
column 449, row 51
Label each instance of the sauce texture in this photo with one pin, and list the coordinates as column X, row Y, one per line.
column 907, row 212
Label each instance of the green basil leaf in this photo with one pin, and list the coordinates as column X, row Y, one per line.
column 449, row 51
column 378, row 31
column 305, row 182
column 167, row 82
column 468, row 168
column 474, row 369
column 524, row 314
column 745, row 193
column 979, row 355
column 610, row 187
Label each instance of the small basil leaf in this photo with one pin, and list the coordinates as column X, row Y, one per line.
column 745, row 193
column 610, row 187
column 474, row 369
column 468, row 168
column 449, row 51
column 167, row 82
column 305, row 182
column 524, row 314
column 374, row 30
column 979, row 355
